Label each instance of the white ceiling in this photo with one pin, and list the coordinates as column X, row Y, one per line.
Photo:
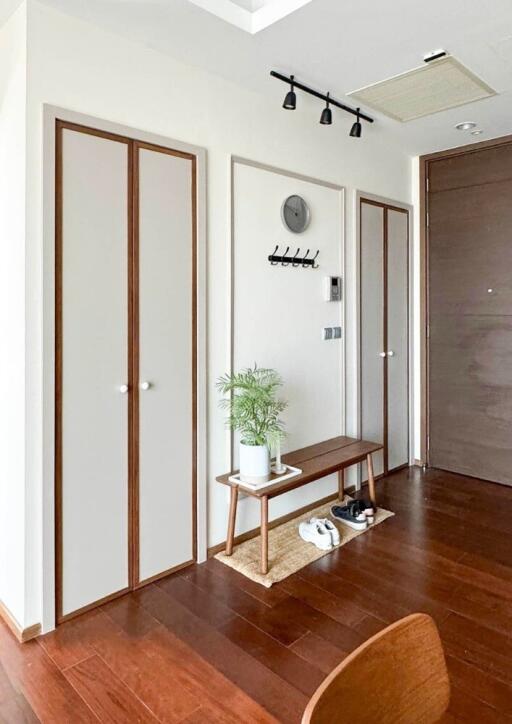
column 337, row 46
column 7, row 7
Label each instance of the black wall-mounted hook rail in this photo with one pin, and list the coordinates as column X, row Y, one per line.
column 295, row 260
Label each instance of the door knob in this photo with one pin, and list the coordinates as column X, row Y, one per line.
column 145, row 385
column 123, row 389
column 391, row 353
column 382, row 354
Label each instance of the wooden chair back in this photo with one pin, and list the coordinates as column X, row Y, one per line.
column 398, row 676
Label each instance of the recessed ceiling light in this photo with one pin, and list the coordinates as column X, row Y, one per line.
column 477, row 132
column 465, row 126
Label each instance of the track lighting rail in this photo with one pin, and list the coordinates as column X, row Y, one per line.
column 290, row 80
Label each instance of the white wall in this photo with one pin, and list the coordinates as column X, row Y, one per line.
column 75, row 65
column 12, row 312
column 279, row 314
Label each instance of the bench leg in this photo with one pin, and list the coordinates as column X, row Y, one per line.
column 232, row 520
column 371, row 479
column 264, row 535
column 341, row 484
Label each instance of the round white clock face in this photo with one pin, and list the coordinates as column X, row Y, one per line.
column 295, row 214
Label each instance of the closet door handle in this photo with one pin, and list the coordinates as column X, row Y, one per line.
column 123, row 389
column 382, row 354
column 145, row 385
column 391, row 353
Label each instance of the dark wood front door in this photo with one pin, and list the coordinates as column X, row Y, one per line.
column 470, row 312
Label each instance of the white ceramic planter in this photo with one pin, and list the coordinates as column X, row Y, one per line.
column 254, row 463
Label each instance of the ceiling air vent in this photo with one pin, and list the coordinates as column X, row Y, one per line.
column 437, row 86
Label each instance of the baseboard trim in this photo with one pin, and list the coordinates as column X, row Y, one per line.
column 22, row 634
column 418, row 463
column 31, row 632
column 274, row 523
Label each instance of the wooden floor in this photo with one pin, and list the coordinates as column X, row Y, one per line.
column 211, row 646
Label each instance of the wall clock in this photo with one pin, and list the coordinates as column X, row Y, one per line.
column 295, row 214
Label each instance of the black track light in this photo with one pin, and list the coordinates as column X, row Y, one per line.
column 326, row 117
column 356, row 129
column 290, row 101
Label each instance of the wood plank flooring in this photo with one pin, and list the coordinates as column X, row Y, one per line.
column 210, row 646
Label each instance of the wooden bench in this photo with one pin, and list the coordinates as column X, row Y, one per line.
column 315, row 461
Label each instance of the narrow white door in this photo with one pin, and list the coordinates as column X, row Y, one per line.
column 397, row 338
column 166, row 361
column 93, row 403
column 372, row 329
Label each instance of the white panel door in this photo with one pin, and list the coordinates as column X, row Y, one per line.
column 94, row 367
column 372, row 329
column 397, row 339
column 166, row 449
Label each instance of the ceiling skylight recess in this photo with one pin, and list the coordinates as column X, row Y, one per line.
column 251, row 15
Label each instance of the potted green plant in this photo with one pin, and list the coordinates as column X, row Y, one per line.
column 250, row 398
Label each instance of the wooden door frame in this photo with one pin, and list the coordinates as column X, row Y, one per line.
column 60, row 127
column 386, row 204
column 424, row 162
column 50, row 497
column 137, row 145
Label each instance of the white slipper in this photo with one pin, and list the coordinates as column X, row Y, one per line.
column 313, row 531
column 331, row 528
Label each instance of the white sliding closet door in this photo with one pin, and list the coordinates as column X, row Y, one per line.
column 93, row 484
column 384, row 245
column 397, row 323
column 166, row 362
column 372, row 329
